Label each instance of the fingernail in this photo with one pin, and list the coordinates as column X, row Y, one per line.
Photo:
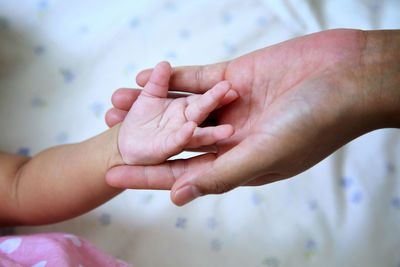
column 232, row 94
column 186, row 194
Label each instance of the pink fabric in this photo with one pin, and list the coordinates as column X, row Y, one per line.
column 55, row 249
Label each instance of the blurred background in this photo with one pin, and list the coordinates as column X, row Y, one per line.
column 60, row 62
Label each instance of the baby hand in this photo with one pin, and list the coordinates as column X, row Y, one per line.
column 157, row 127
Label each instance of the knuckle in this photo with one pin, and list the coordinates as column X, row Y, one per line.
column 220, row 187
column 199, row 76
column 201, row 107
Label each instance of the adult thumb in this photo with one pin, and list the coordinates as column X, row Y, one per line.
column 219, row 175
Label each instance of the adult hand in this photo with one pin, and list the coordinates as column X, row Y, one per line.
column 298, row 102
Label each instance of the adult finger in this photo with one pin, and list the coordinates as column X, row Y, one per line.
column 123, row 98
column 114, row 116
column 264, row 179
column 157, row 85
column 161, row 176
column 194, row 79
column 203, row 149
column 229, row 170
column 199, row 110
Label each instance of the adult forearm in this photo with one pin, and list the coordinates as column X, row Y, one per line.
column 64, row 181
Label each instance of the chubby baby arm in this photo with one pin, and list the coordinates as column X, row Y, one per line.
column 157, row 127
column 58, row 183
column 65, row 181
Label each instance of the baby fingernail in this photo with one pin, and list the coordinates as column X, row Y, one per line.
column 186, row 194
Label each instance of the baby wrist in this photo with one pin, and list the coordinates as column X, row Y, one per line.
column 115, row 156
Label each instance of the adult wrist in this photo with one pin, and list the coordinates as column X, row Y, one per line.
column 380, row 60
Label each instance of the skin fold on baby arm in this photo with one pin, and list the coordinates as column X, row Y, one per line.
column 68, row 180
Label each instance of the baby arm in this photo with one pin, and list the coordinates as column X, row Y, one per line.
column 58, row 183
column 65, row 181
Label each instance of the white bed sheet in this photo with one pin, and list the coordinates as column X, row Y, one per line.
column 60, row 63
